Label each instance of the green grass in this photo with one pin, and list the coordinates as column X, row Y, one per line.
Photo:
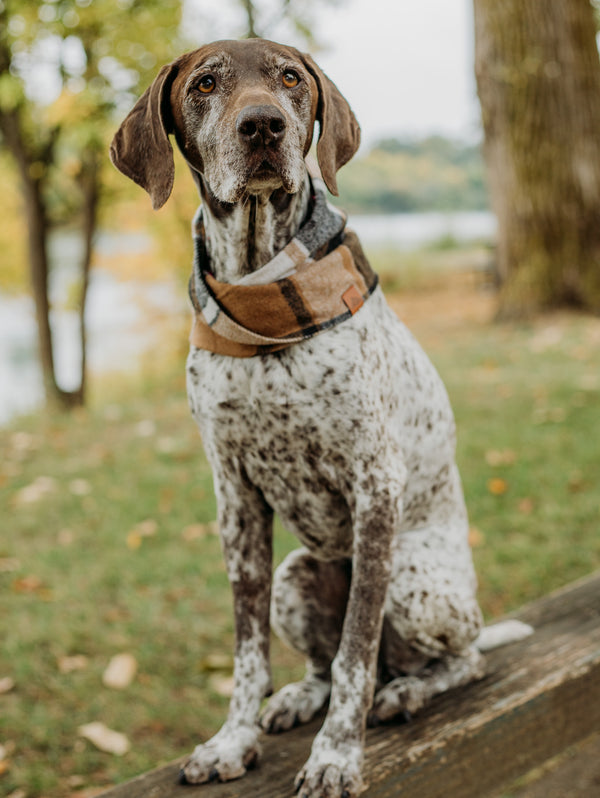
column 78, row 578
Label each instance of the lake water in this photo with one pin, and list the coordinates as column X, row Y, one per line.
column 118, row 313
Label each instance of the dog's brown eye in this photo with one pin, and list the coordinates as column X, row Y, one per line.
column 290, row 79
column 206, row 84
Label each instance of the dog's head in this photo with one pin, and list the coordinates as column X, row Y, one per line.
column 242, row 113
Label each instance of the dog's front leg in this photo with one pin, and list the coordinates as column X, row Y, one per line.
column 333, row 769
column 246, row 530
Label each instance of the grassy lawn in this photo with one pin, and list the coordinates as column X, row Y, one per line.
column 106, row 542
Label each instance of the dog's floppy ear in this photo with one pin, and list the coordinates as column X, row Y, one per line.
column 141, row 148
column 339, row 137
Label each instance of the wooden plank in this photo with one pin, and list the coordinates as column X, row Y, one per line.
column 539, row 696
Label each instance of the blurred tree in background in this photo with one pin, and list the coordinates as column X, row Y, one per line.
column 65, row 66
column 538, row 78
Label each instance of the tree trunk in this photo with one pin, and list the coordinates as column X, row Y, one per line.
column 538, row 80
column 90, row 187
column 38, row 229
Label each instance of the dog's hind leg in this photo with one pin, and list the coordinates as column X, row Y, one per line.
column 307, row 612
column 432, row 621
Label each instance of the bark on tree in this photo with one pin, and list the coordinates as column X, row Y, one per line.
column 538, row 80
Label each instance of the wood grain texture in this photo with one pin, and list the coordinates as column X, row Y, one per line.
column 539, row 696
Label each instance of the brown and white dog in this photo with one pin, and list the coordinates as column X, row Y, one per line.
column 348, row 436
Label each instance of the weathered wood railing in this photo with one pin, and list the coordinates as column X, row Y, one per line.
column 540, row 695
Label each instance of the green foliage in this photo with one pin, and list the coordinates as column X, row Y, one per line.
column 399, row 175
column 66, row 66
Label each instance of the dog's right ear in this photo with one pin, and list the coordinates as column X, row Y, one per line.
column 141, row 148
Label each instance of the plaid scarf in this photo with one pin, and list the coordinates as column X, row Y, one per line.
column 320, row 279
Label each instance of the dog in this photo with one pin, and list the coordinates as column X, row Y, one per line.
column 341, row 425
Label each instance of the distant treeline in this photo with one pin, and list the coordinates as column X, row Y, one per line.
column 399, row 175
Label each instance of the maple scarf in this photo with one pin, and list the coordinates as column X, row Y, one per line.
column 320, row 279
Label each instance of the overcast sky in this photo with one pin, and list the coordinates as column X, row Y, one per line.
column 406, row 66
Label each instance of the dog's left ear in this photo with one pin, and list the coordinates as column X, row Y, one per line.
column 339, row 137
column 141, row 148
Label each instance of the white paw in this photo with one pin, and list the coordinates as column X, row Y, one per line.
column 295, row 703
column 226, row 756
column 332, row 771
column 401, row 696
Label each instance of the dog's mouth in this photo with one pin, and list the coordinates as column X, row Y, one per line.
column 268, row 172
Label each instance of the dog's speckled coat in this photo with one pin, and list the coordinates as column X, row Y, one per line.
column 349, row 436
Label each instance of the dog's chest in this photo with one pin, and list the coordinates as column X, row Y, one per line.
column 301, row 424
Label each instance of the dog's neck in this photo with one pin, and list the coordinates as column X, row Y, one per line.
column 243, row 236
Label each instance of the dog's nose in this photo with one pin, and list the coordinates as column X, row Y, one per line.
column 260, row 125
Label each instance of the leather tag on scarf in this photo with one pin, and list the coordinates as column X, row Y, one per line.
column 352, row 299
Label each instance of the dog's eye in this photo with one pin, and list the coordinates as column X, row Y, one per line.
column 290, row 78
column 206, row 84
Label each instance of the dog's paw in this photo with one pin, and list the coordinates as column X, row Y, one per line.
column 401, row 697
column 226, row 756
column 331, row 772
column 295, row 703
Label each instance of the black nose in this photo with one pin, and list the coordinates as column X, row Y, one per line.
column 260, row 125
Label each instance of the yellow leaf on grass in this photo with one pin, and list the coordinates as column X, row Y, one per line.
column 199, row 531
column 134, row 540
column 145, row 529
column 120, row 672
column 476, row 537
column 497, row 486
column 495, row 457
column 105, row 739
column 28, row 584
column 526, row 506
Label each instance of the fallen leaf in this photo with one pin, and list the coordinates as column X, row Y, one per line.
column 9, row 564
column 476, row 537
column 105, row 739
column 120, row 672
column 223, row 685
column 198, row 531
column 166, row 445
column 77, row 662
column 80, row 487
column 147, row 528
column 4, row 767
column 145, row 428
column 17, row 794
column 36, row 490
column 28, row 584
column 526, row 506
column 495, row 457
column 134, row 540
column 497, row 486
column 6, row 684
column 144, row 529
